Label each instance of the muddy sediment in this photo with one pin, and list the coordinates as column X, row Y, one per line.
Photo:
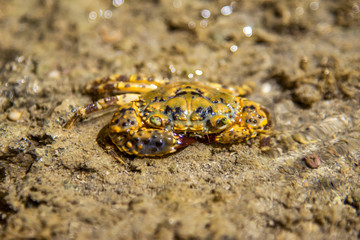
column 302, row 56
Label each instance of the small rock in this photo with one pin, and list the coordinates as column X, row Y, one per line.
column 14, row 115
column 312, row 161
column 265, row 143
column 54, row 74
column 304, row 63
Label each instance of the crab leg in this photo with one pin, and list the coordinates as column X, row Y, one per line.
column 100, row 105
column 243, row 90
column 117, row 84
column 253, row 120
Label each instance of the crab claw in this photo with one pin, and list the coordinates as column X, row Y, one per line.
column 149, row 142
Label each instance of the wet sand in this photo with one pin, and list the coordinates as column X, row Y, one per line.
column 302, row 56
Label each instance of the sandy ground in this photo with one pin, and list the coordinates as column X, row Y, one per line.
column 303, row 56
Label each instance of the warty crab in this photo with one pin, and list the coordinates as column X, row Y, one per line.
column 157, row 117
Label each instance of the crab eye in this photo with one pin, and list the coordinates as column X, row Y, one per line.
column 156, row 121
column 222, row 121
column 219, row 121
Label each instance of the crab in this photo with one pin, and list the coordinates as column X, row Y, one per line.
column 157, row 117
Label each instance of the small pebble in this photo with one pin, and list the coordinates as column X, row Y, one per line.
column 54, row 74
column 312, row 161
column 265, row 143
column 14, row 115
column 266, row 88
column 304, row 62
